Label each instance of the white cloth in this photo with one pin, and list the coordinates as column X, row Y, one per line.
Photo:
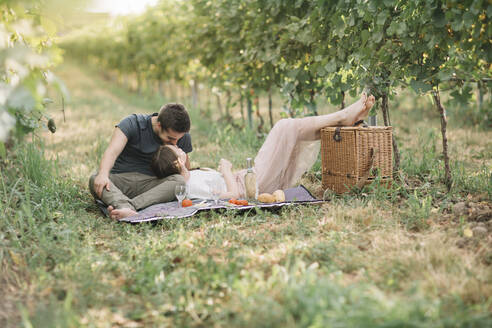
column 200, row 182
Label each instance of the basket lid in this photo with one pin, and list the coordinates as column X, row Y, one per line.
column 358, row 128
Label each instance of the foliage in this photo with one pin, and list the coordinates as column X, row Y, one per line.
column 27, row 54
column 306, row 49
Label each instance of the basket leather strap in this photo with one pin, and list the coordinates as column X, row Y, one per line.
column 363, row 180
column 338, row 137
column 361, row 123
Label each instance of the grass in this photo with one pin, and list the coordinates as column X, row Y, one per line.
column 380, row 257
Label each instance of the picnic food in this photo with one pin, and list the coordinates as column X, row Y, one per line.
column 279, row 195
column 186, row 203
column 266, row 198
column 241, row 202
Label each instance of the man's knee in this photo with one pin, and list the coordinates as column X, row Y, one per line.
column 176, row 178
column 91, row 184
column 161, row 193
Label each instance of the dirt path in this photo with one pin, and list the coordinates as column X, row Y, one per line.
column 90, row 116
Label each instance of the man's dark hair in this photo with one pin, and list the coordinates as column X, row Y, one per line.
column 174, row 116
column 165, row 162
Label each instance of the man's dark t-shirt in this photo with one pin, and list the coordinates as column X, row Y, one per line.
column 142, row 144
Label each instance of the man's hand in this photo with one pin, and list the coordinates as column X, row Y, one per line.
column 100, row 182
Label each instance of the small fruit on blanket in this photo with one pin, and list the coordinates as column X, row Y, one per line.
column 241, row 202
column 279, row 195
column 186, row 202
column 266, row 198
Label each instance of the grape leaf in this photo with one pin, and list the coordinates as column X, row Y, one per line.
column 419, row 86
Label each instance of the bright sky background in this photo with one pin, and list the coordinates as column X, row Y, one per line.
column 121, row 7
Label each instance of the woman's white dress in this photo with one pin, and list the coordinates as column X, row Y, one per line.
column 282, row 159
column 201, row 181
column 286, row 154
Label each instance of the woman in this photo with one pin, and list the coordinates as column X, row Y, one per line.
column 289, row 150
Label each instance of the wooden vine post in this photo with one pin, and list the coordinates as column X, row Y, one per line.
column 258, row 114
column 387, row 122
column 228, row 106
column 219, row 105
column 444, row 122
column 312, row 103
column 241, row 107
column 249, row 105
column 480, row 90
column 270, row 114
column 194, row 94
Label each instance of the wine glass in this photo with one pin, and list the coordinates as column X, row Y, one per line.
column 180, row 192
column 215, row 191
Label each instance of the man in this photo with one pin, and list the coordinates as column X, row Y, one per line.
column 125, row 181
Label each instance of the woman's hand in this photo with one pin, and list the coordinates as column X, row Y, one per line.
column 224, row 166
column 184, row 171
column 182, row 162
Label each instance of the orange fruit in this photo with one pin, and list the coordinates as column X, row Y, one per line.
column 186, row 202
column 233, row 200
column 242, row 202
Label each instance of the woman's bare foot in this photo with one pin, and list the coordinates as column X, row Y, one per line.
column 367, row 107
column 358, row 110
column 352, row 113
column 121, row 213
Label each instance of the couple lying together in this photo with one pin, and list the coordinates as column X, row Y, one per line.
column 148, row 156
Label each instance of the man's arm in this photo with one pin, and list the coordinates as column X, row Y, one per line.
column 116, row 146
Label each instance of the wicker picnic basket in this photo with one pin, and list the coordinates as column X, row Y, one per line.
column 354, row 156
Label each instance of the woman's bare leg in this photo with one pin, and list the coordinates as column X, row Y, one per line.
column 310, row 126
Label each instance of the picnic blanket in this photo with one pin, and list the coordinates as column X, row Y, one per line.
column 170, row 210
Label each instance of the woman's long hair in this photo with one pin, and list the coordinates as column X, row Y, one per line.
column 165, row 162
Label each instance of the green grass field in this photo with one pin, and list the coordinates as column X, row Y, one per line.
column 409, row 256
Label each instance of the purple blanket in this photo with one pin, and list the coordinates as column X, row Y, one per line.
column 297, row 195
